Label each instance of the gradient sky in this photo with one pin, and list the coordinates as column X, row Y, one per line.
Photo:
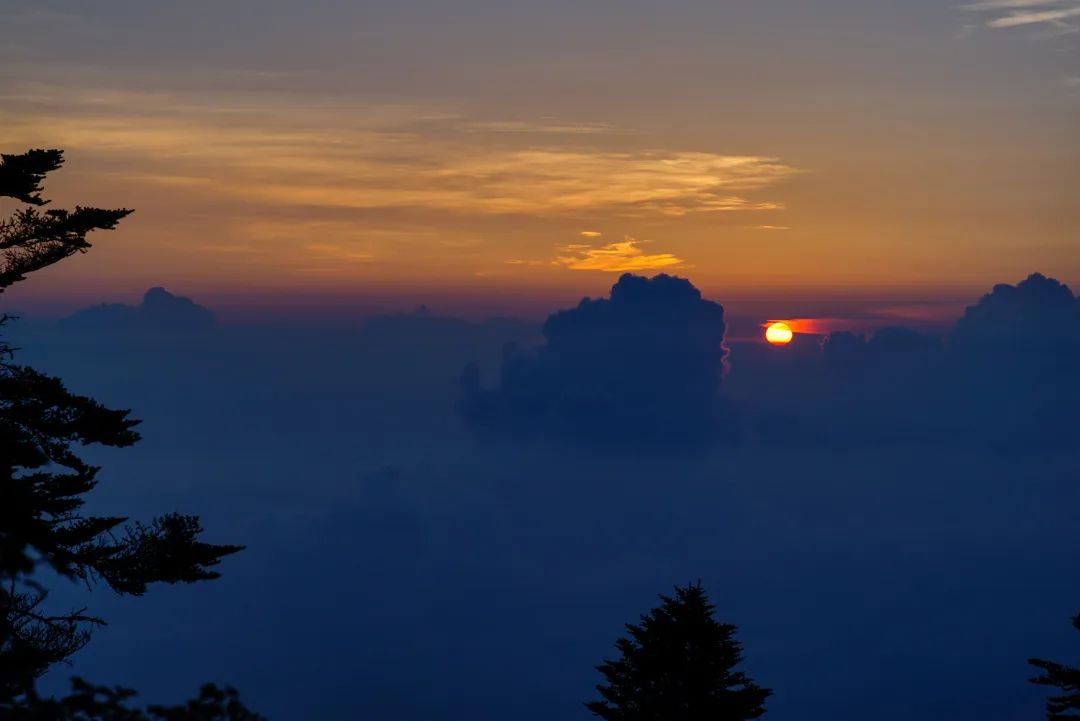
column 417, row 150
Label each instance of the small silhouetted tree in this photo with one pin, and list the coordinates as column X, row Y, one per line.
column 678, row 664
column 43, row 480
column 1065, row 707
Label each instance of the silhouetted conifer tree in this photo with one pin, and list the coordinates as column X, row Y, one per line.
column 678, row 664
column 42, row 478
column 1065, row 707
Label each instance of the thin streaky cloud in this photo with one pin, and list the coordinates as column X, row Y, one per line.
column 1034, row 18
column 1046, row 19
column 337, row 252
column 1007, row 4
column 621, row 257
column 1020, row 13
column 518, row 126
column 40, row 15
column 279, row 154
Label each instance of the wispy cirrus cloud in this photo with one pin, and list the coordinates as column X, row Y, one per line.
column 1019, row 13
column 273, row 151
column 624, row 256
column 338, row 252
column 39, row 16
column 1050, row 18
column 542, row 127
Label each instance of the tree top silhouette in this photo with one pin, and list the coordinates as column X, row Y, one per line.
column 678, row 663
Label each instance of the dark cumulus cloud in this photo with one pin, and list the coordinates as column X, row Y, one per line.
column 1007, row 375
column 640, row 368
column 1037, row 315
column 884, row 387
column 896, row 345
column 1018, row 355
column 159, row 310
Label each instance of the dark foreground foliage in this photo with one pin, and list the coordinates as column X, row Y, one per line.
column 44, row 481
column 1066, row 705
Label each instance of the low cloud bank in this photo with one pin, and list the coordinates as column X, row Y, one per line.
column 1006, row 375
column 159, row 310
column 644, row 368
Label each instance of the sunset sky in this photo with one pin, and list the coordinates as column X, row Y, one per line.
column 489, row 155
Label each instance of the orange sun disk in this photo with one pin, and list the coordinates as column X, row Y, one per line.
column 779, row 333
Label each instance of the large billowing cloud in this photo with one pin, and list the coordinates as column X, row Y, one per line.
column 640, row 368
column 1038, row 313
column 1007, row 377
column 1017, row 353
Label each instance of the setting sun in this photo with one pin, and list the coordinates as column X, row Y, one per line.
column 778, row 333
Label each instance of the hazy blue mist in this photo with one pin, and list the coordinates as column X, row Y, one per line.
column 889, row 541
